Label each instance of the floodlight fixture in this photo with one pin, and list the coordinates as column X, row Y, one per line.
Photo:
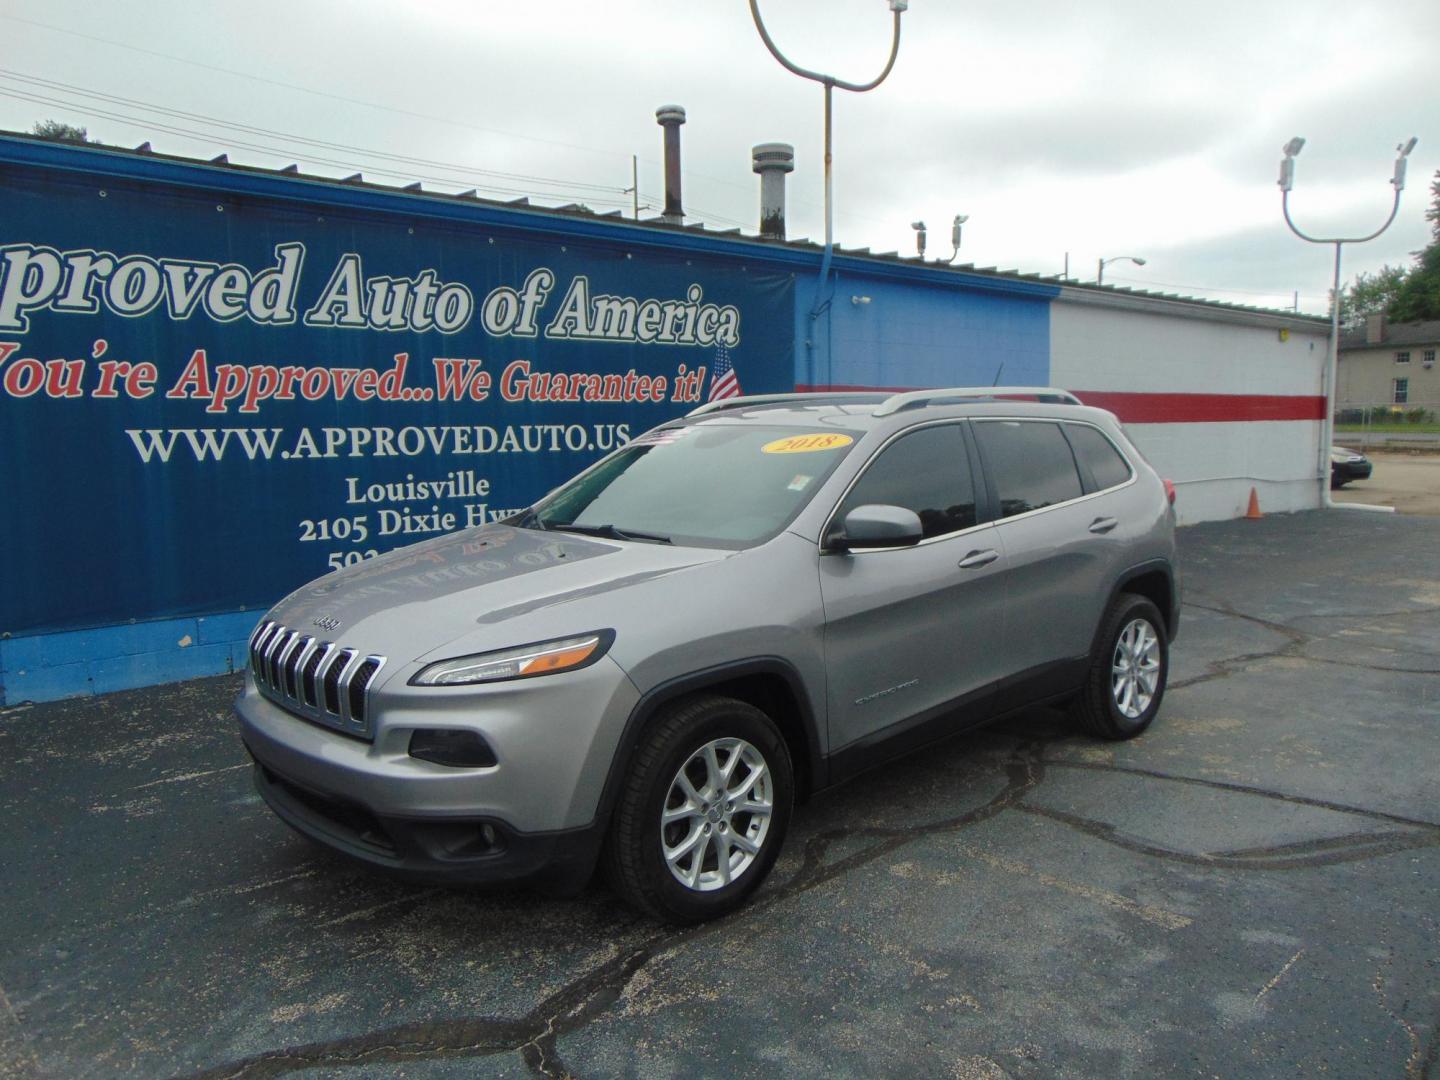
column 1287, row 164
column 1402, row 152
column 960, row 220
column 919, row 227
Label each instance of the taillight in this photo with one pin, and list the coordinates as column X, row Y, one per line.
column 1169, row 491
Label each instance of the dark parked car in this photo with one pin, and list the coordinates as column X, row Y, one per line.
column 1347, row 465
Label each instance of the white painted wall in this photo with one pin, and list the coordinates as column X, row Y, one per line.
column 1102, row 343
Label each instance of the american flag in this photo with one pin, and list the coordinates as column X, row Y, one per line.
column 724, row 383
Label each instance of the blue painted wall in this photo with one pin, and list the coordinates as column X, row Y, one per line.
column 912, row 333
column 123, row 571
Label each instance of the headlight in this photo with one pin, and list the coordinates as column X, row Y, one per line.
column 524, row 662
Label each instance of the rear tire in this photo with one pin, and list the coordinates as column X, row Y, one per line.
column 1126, row 682
column 703, row 811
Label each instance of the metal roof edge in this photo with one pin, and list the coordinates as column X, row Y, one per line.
column 17, row 149
column 1192, row 308
column 798, row 256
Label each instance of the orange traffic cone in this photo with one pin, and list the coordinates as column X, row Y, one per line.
column 1253, row 513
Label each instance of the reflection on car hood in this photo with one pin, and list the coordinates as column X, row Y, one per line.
column 418, row 598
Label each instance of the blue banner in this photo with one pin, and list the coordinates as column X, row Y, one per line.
column 207, row 399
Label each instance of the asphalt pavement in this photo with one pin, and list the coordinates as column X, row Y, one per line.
column 1251, row 889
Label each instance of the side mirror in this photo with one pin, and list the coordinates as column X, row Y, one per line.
column 876, row 526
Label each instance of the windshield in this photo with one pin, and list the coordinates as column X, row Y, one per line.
column 716, row 485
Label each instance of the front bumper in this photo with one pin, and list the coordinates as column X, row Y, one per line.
column 532, row 814
column 448, row 850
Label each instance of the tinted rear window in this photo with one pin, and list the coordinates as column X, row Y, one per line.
column 1098, row 454
column 1030, row 463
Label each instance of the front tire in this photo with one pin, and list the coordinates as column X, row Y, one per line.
column 703, row 813
column 1126, row 682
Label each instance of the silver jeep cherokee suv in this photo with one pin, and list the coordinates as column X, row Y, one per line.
column 649, row 666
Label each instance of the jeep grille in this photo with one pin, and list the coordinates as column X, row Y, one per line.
column 318, row 680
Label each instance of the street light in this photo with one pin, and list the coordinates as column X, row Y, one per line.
column 898, row 7
column 829, row 82
column 1100, row 270
column 1287, row 180
column 960, row 220
column 919, row 227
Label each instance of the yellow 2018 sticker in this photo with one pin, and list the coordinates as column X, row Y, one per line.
column 807, row 444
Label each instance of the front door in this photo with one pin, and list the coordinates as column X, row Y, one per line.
column 910, row 632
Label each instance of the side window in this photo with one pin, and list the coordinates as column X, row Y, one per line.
column 927, row 471
column 1098, row 454
column 1030, row 463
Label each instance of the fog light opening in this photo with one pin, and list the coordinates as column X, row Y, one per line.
column 455, row 747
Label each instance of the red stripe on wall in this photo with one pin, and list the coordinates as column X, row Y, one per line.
column 1135, row 408
column 1140, row 408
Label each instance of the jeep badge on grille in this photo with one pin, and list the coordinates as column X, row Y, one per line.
column 326, row 622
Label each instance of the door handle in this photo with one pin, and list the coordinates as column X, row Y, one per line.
column 979, row 558
column 1103, row 524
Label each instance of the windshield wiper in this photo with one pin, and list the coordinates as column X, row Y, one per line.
column 610, row 532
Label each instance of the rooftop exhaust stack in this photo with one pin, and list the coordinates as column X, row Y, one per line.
column 670, row 117
column 772, row 160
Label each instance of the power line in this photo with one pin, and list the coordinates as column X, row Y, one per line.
column 797, row 199
column 468, row 170
column 304, row 89
column 1216, row 288
column 229, row 142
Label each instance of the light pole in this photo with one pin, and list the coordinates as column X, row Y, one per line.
column 829, row 82
column 1100, row 269
column 1332, row 361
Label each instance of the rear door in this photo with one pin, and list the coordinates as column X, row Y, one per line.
column 910, row 631
column 1064, row 540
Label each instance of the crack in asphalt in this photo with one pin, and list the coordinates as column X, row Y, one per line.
column 578, row 1003
column 1352, row 847
column 1245, row 789
column 1292, row 649
column 1415, row 1063
column 534, row 1036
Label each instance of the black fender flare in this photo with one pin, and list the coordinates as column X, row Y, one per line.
column 660, row 695
column 1130, row 574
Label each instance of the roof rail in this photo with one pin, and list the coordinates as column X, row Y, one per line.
column 915, row 399
column 761, row 400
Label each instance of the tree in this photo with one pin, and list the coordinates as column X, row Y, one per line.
column 1419, row 297
column 57, row 131
column 1372, row 294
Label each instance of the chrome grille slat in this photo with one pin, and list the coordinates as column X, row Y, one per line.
column 346, row 675
column 322, row 681
column 276, row 641
column 310, row 691
column 284, row 669
column 257, row 648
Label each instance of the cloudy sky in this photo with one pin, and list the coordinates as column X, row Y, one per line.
column 1127, row 127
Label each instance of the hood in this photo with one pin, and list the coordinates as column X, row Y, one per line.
column 417, row 599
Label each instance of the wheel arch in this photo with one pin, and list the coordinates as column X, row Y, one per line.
column 1154, row 580
column 769, row 683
